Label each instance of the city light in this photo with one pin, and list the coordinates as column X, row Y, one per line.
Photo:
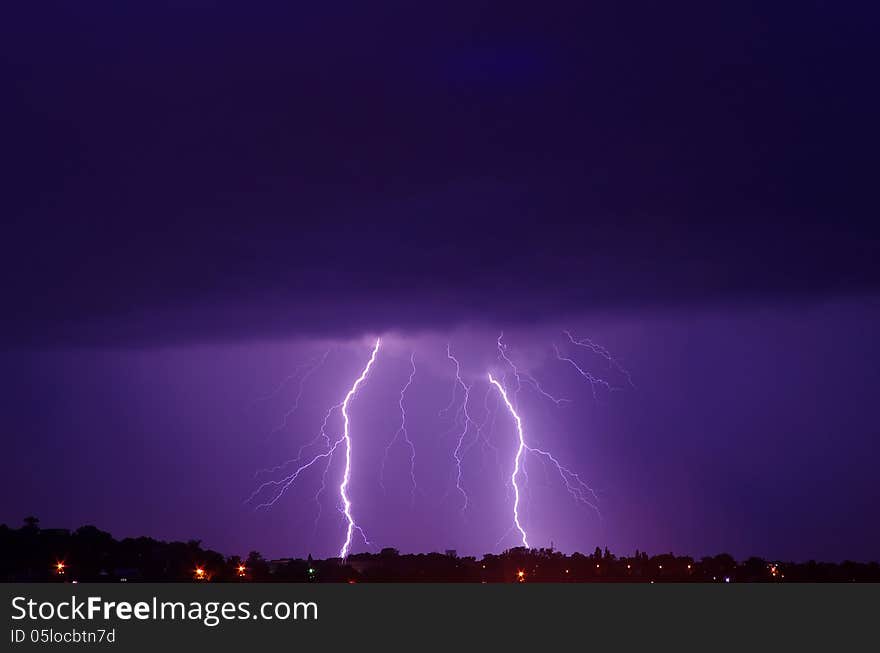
column 59, row 568
column 521, row 576
column 200, row 573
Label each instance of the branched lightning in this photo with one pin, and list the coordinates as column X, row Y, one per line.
column 346, row 436
column 462, row 417
column 594, row 381
column 481, row 436
column 322, row 435
column 521, row 375
column 579, row 490
column 575, row 486
column 517, row 460
column 280, row 486
column 468, row 433
column 403, row 431
column 598, row 349
column 310, row 368
column 287, row 379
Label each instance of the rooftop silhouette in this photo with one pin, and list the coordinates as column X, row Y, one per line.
column 88, row 554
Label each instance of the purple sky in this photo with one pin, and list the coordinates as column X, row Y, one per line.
column 749, row 431
column 200, row 196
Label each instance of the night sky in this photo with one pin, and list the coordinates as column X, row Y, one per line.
column 198, row 197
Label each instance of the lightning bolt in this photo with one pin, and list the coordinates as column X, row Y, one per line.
column 299, row 392
column 598, row 349
column 516, row 462
column 405, row 433
column 521, row 375
column 281, row 486
column 579, row 490
column 481, row 437
column 466, row 422
column 573, row 483
column 462, row 424
column 322, row 435
column 287, row 379
column 310, row 368
column 346, row 436
column 594, row 381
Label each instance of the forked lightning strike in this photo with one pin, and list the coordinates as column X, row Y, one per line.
column 517, row 460
column 462, row 423
column 283, row 484
column 403, row 431
column 592, row 380
column 464, row 418
column 598, row 349
column 521, row 375
column 346, row 436
column 573, row 483
column 310, row 368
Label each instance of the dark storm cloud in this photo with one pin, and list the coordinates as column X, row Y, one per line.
column 202, row 171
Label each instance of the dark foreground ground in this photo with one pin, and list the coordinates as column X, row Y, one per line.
column 88, row 554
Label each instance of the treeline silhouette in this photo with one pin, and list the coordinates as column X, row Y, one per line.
column 32, row 554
